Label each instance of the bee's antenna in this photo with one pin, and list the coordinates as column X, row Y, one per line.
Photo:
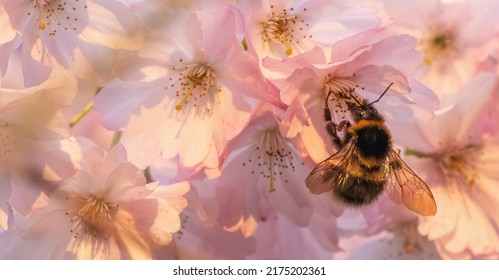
column 381, row 94
column 356, row 100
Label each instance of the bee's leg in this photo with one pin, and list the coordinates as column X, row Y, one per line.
column 342, row 124
column 331, row 129
column 331, row 126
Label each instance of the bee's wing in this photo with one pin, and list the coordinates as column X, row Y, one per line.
column 331, row 171
column 404, row 186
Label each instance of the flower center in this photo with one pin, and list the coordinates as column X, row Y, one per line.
column 459, row 166
column 92, row 217
column 192, row 82
column 54, row 15
column 272, row 156
column 440, row 44
column 283, row 28
column 339, row 90
column 342, row 88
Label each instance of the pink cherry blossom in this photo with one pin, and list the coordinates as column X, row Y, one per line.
column 188, row 98
column 270, row 178
column 33, row 146
column 286, row 28
column 105, row 211
column 459, row 164
column 451, row 37
column 78, row 35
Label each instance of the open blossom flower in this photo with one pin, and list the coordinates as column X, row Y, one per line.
column 453, row 37
column 77, row 34
column 187, row 96
column 270, row 178
column 286, row 28
column 32, row 148
column 460, row 166
column 359, row 65
column 105, row 211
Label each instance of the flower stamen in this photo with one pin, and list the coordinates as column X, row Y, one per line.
column 282, row 28
column 54, row 15
column 193, row 82
column 272, row 156
column 459, row 166
column 184, row 97
column 93, row 216
column 341, row 87
column 271, row 173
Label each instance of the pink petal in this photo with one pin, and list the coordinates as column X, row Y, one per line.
column 5, row 190
column 93, row 249
column 30, row 120
column 174, row 194
column 8, row 33
column 33, row 242
column 474, row 101
column 376, row 79
column 130, row 95
column 390, row 50
column 130, row 238
column 482, row 14
column 148, row 133
column 114, row 20
column 352, row 46
column 288, row 65
column 154, row 217
column 413, row 14
column 126, row 177
column 213, row 25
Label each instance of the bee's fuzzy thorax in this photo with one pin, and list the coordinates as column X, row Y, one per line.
column 373, row 141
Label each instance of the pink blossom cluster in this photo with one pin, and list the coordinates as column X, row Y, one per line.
column 149, row 129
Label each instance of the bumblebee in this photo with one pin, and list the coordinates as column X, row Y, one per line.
column 366, row 164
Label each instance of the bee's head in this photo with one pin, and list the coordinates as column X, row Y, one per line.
column 364, row 111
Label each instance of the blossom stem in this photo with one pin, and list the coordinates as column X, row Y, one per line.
column 411, row 152
column 85, row 111
column 82, row 114
column 116, row 138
